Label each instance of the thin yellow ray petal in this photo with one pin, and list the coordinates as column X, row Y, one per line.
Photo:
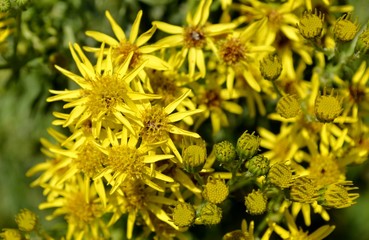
column 176, row 130
column 175, row 117
column 170, row 41
column 168, row 28
column 102, row 37
column 135, row 27
column 118, row 31
column 232, row 107
column 200, row 62
column 131, row 223
column 155, row 62
column 173, row 105
column 156, row 158
column 251, row 81
column 143, row 38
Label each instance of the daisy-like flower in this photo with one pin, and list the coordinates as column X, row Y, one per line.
column 136, row 45
column 155, row 123
column 81, row 207
column 213, row 100
column 194, row 37
column 355, row 92
column 104, row 92
column 137, row 200
column 128, row 160
column 294, row 232
column 238, row 55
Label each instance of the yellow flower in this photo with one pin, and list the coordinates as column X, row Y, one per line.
column 155, row 123
column 295, row 232
column 246, row 232
column 238, row 55
column 81, row 207
column 215, row 101
column 104, row 93
column 135, row 199
column 128, row 160
column 122, row 46
column 194, row 37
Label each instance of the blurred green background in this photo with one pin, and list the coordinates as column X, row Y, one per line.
column 47, row 28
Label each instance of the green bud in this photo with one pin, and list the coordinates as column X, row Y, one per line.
column 4, row 5
column 194, row 157
column 258, row 165
column 209, row 214
column 247, row 145
column 225, row 152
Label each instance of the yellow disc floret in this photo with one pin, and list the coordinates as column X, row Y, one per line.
column 288, row 106
column 311, row 24
column 183, row 215
column 155, row 125
column 26, row 220
column 232, row 51
column 344, row 29
column 215, row 190
column 194, row 157
column 256, row 202
column 271, row 67
column 327, row 107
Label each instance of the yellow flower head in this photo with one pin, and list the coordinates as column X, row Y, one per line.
column 337, row 195
column 232, row 50
column 11, row 234
column 183, row 215
column 288, row 106
column 311, row 24
column 344, row 29
column 26, row 220
column 271, row 67
column 327, row 107
column 246, row 232
column 256, row 202
column 215, row 190
column 123, row 47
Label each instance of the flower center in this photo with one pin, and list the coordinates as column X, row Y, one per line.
column 121, row 52
column 155, row 125
column 105, row 94
column 90, row 160
column 232, row 51
column 194, row 37
column 164, row 85
column 80, row 211
column 126, row 160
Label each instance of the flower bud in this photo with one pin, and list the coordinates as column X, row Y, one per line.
column 209, row 214
column 311, row 24
column 281, row 175
column 288, row 106
column 194, row 157
column 247, row 145
column 26, row 220
column 11, row 234
column 327, row 107
column 215, row 190
column 344, row 29
column 4, row 5
column 225, row 152
column 337, row 195
column 256, row 202
column 258, row 165
column 183, row 215
column 303, row 190
column 271, row 67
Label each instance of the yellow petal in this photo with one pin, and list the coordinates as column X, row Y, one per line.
column 135, row 27
column 118, row 31
column 173, row 105
column 168, row 28
column 143, row 38
column 101, row 37
column 181, row 115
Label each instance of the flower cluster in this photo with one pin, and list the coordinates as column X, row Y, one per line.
column 142, row 137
